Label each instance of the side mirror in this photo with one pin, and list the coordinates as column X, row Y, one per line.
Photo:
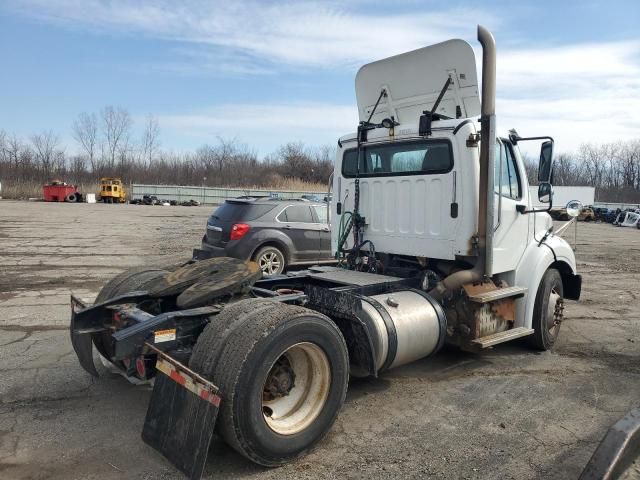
column 545, row 192
column 546, row 162
column 574, row 208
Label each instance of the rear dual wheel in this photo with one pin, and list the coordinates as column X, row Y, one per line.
column 282, row 371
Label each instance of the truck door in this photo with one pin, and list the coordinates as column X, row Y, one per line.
column 511, row 228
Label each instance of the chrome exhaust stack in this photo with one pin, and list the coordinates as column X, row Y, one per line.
column 487, row 150
column 484, row 265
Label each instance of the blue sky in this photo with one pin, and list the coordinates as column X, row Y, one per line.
column 272, row 72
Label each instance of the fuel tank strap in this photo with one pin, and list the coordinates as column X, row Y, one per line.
column 392, row 335
column 442, row 318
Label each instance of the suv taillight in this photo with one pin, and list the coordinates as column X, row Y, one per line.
column 239, row 230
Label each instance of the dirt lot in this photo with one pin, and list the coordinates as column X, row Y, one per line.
column 508, row 413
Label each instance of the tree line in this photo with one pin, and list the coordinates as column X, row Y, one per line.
column 612, row 168
column 106, row 146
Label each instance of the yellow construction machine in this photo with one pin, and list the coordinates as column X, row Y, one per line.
column 112, row 190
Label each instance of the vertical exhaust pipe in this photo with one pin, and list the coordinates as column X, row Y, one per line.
column 484, row 264
column 487, row 150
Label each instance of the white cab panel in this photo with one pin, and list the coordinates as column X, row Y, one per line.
column 412, row 214
column 414, row 79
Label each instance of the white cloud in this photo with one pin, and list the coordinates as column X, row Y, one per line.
column 266, row 125
column 320, row 34
column 574, row 92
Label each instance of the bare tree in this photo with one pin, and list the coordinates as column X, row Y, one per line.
column 45, row 145
column 150, row 138
column 77, row 166
column 593, row 162
column 13, row 147
column 116, row 129
column 3, row 145
column 85, row 132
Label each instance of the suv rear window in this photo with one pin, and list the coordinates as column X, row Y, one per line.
column 406, row 158
column 238, row 212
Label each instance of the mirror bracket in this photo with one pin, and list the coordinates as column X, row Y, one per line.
column 522, row 208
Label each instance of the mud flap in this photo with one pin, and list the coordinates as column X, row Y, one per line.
column 81, row 342
column 181, row 415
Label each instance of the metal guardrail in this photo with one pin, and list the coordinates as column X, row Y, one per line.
column 209, row 195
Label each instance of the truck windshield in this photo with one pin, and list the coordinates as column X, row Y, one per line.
column 407, row 158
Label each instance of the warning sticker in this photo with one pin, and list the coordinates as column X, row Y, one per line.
column 164, row 335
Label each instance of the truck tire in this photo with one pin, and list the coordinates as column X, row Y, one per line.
column 212, row 339
column 137, row 278
column 282, row 374
column 547, row 311
column 129, row 281
column 71, row 198
column 271, row 260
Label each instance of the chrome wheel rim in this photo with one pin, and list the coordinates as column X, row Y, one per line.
column 270, row 263
column 296, row 388
column 555, row 313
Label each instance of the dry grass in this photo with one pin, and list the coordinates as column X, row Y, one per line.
column 21, row 191
column 293, row 184
column 26, row 190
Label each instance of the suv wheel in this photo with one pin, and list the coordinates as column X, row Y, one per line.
column 270, row 260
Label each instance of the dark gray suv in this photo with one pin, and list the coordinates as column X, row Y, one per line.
column 275, row 233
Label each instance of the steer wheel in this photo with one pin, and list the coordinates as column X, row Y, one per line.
column 548, row 311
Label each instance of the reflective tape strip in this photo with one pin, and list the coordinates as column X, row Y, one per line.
column 201, row 390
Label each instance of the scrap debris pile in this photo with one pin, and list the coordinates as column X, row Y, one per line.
column 154, row 200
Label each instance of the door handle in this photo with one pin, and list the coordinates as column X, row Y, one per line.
column 288, row 227
column 325, row 229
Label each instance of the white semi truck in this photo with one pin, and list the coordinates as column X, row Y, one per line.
column 438, row 241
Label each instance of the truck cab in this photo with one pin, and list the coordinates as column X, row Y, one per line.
column 411, row 176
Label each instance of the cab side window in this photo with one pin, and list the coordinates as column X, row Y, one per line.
column 506, row 177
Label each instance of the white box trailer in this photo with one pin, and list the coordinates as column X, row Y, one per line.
column 563, row 195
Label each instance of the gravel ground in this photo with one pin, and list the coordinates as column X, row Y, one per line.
column 507, row 413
